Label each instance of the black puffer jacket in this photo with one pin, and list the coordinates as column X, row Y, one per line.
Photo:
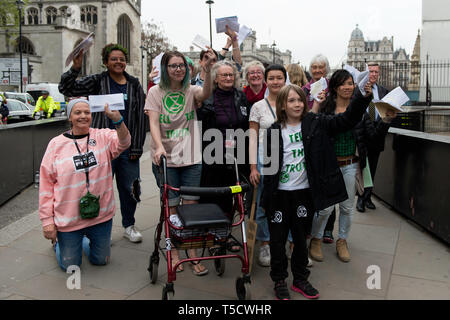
column 324, row 176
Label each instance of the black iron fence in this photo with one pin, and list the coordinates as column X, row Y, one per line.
column 426, row 83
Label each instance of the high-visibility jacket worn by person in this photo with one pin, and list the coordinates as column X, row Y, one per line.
column 46, row 105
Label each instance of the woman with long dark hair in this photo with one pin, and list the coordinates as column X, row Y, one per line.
column 350, row 148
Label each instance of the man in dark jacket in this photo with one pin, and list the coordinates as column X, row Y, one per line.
column 116, row 80
column 376, row 147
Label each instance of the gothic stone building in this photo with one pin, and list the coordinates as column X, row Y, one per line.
column 51, row 29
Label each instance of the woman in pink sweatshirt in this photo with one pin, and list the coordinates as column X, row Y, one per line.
column 78, row 163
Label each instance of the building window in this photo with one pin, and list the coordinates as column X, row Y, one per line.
column 124, row 32
column 89, row 15
column 33, row 16
column 63, row 11
column 51, row 13
column 27, row 46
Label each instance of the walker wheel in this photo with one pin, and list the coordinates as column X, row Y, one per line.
column 168, row 292
column 243, row 291
column 153, row 268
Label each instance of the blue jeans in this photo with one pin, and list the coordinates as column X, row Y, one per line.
column 95, row 241
column 180, row 176
column 262, row 233
column 126, row 172
column 345, row 207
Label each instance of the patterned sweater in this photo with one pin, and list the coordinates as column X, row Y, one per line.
column 95, row 84
column 61, row 185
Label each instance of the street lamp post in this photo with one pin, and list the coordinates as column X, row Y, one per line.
column 20, row 3
column 210, row 2
column 142, row 63
column 273, row 50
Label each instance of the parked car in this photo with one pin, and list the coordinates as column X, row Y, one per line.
column 22, row 97
column 18, row 111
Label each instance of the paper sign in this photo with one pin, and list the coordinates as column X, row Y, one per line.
column 84, row 45
column 394, row 100
column 353, row 71
column 114, row 101
column 360, row 78
column 232, row 23
column 317, row 87
column 157, row 63
column 200, row 42
column 244, row 32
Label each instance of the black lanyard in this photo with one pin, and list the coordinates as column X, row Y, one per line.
column 270, row 108
column 84, row 158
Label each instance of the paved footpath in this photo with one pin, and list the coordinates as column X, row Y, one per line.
column 411, row 263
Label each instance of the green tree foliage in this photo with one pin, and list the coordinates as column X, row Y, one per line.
column 9, row 14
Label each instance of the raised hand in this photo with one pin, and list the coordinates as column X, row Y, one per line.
column 114, row 115
column 153, row 74
column 77, row 62
column 209, row 60
column 368, row 89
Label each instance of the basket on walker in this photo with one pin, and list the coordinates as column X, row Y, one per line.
column 199, row 226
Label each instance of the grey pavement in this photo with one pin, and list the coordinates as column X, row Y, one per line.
column 412, row 264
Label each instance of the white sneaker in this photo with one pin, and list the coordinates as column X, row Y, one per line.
column 132, row 234
column 264, row 256
column 310, row 263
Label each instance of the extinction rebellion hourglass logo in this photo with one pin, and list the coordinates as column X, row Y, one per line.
column 174, row 102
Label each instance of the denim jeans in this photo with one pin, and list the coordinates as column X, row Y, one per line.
column 126, row 172
column 180, row 176
column 95, row 241
column 262, row 233
column 345, row 207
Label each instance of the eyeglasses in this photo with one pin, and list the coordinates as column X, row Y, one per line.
column 115, row 59
column 174, row 67
column 227, row 75
column 255, row 72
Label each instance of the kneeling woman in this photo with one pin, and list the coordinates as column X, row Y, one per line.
column 307, row 179
column 76, row 198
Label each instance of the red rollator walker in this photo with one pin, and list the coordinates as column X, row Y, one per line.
column 200, row 226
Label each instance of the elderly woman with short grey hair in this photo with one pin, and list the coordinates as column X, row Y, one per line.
column 318, row 68
column 76, row 195
column 227, row 108
column 256, row 86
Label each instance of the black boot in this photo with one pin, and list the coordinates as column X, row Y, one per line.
column 368, row 202
column 360, row 204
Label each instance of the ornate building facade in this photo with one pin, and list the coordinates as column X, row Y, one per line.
column 51, row 30
column 394, row 64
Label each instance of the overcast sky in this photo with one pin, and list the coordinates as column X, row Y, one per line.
column 304, row 27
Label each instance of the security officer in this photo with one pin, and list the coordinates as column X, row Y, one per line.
column 46, row 104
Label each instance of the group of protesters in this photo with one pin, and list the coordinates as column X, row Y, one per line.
column 317, row 145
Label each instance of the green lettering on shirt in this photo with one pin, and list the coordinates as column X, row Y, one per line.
column 189, row 116
column 164, row 119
